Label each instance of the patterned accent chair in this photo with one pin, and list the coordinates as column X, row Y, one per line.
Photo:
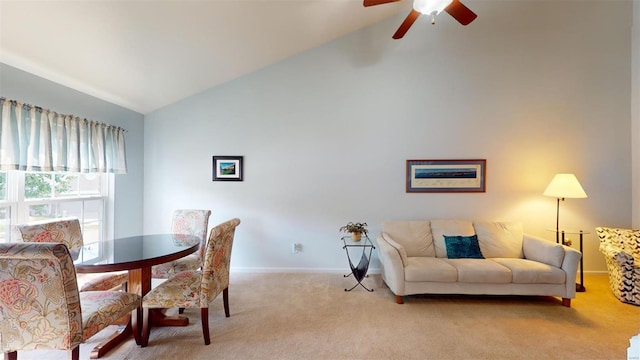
column 67, row 231
column 197, row 289
column 621, row 249
column 40, row 306
column 189, row 222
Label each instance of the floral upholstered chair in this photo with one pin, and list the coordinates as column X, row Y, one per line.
column 197, row 289
column 621, row 249
column 67, row 231
column 40, row 306
column 189, row 222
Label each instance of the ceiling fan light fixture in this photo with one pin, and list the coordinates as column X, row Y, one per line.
column 430, row 7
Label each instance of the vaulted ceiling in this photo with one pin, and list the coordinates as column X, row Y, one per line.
column 144, row 55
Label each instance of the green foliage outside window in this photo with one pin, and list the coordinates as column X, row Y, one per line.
column 3, row 185
column 37, row 186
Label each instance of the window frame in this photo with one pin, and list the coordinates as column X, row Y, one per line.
column 17, row 205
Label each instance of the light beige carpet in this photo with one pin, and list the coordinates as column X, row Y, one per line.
column 310, row 316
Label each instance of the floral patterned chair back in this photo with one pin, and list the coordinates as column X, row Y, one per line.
column 217, row 261
column 197, row 288
column 192, row 222
column 621, row 249
column 189, row 222
column 64, row 230
column 67, row 231
column 40, row 306
column 39, row 299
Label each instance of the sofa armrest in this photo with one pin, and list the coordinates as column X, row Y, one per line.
column 391, row 266
column 541, row 250
column 554, row 254
column 570, row 266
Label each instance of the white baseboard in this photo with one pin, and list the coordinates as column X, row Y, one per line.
column 334, row 270
column 297, row 270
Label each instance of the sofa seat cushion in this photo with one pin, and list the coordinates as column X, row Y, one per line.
column 532, row 272
column 480, row 271
column 429, row 269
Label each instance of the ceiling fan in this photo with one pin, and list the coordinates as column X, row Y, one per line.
column 429, row 7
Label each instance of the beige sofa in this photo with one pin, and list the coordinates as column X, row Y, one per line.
column 416, row 257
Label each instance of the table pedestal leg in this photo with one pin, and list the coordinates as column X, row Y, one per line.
column 139, row 283
column 158, row 318
column 124, row 332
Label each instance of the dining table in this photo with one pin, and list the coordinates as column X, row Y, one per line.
column 136, row 255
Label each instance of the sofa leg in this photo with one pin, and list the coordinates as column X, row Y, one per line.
column 399, row 299
column 566, row 302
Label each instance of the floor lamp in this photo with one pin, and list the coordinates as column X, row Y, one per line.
column 567, row 186
column 564, row 186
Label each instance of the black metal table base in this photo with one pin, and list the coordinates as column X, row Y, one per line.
column 359, row 271
column 359, row 283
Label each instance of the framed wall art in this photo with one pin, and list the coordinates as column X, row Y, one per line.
column 227, row 168
column 446, row 175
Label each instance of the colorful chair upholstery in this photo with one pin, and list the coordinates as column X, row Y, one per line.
column 621, row 249
column 197, row 289
column 67, row 231
column 189, row 222
column 40, row 306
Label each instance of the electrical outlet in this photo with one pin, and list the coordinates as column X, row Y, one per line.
column 296, row 248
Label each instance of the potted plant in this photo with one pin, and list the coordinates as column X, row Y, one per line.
column 356, row 230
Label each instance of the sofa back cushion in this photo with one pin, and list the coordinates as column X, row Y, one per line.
column 440, row 228
column 500, row 239
column 414, row 236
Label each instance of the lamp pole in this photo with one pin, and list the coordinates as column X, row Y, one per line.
column 558, row 221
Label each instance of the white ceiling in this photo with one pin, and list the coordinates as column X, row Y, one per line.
column 144, row 55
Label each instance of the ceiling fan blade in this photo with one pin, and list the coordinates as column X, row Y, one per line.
column 463, row 14
column 406, row 24
column 377, row 2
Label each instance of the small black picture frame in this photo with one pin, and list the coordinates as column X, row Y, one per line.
column 228, row 168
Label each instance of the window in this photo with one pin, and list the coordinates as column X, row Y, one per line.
column 33, row 196
column 5, row 209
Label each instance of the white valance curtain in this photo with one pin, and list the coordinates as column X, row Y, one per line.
column 36, row 139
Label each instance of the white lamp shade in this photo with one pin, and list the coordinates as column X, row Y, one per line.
column 565, row 186
column 430, row 7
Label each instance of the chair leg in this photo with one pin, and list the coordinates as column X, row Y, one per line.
column 146, row 327
column 225, row 300
column 13, row 355
column 136, row 322
column 75, row 353
column 204, row 317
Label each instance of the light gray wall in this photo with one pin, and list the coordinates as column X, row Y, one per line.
column 536, row 88
column 635, row 111
column 19, row 85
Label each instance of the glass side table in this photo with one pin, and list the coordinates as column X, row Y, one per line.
column 358, row 271
column 560, row 238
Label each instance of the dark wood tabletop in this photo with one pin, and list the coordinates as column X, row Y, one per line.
column 135, row 252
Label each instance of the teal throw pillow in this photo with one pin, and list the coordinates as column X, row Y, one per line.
column 463, row 247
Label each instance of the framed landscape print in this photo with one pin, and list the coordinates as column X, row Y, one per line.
column 227, row 168
column 446, row 175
